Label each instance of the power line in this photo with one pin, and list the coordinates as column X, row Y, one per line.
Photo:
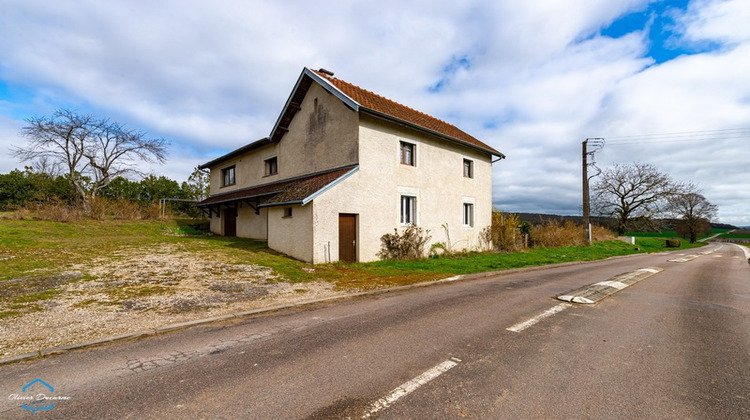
column 685, row 136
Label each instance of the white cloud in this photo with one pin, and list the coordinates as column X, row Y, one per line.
column 537, row 80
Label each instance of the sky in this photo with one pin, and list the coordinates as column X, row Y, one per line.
column 532, row 79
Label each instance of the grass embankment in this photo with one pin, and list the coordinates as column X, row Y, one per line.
column 38, row 256
column 737, row 234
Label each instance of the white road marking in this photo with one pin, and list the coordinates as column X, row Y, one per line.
column 744, row 249
column 546, row 314
column 650, row 270
column 616, row 284
column 410, row 386
column 683, row 259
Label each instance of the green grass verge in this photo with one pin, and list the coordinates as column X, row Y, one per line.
column 35, row 255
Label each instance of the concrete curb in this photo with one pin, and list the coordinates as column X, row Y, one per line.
column 187, row 324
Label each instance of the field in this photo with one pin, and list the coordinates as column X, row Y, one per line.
column 70, row 282
column 38, row 257
column 671, row 233
column 737, row 234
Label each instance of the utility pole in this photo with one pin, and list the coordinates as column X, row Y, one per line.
column 597, row 144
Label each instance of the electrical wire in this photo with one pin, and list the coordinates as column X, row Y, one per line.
column 685, row 136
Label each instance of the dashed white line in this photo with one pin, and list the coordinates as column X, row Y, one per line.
column 546, row 314
column 410, row 386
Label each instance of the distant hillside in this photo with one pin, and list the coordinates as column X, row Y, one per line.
column 538, row 218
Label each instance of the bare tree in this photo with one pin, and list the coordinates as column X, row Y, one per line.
column 91, row 150
column 695, row 212
column 633, row 192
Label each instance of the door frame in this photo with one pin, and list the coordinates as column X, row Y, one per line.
column 234, row 212
column 355, row 232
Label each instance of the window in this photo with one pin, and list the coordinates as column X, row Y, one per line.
column 272, row 166
column 287, row 212
column 468, row 168
column 468, row 215
column 406, row 154
column 227, row 175
column 408, row 210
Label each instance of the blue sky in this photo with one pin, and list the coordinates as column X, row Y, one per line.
column 532, row 80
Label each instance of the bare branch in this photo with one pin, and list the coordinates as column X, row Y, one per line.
column 92, row 151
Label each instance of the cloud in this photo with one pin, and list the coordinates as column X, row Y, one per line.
column 532, row 79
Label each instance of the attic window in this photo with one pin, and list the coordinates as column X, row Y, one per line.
column 287, row 212
column 272, row 166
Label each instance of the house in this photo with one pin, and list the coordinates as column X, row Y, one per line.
column 342, row 167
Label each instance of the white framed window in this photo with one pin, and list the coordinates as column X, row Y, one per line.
column 408, row 210
column 407, row 153
column 468, row 219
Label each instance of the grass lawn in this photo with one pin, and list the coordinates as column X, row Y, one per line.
column 36, row 255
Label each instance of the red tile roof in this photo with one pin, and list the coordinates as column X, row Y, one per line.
column 382, row 105
column 293, row 190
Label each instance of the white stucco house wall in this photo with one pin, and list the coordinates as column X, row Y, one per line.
column 342, row 167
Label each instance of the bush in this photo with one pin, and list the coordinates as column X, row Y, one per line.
column 118, row 209
column 408, row 245
column 553, row 234
column 673, row 243
column 503, row 234
column 56, row 211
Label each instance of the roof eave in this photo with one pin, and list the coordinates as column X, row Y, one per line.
column 379, row 114
column 325, row 84
column 236, row 152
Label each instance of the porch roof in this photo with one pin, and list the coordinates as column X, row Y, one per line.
column 297, row 190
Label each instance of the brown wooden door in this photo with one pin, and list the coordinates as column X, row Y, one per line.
column 348, row 237
column 230, row 222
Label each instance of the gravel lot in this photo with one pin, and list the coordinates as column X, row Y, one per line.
column 139, row 288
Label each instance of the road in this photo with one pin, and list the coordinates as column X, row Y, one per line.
column 675, row 345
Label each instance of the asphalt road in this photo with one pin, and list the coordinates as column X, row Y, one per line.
column 675, row 345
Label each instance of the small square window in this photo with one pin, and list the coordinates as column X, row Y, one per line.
column 406, row 153
column 272, row 166
column 468, row 168
column 227, row 175
column 287, row 212
column 468, row 214
column 408, row 210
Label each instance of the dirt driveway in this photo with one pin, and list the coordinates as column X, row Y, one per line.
column 140, row 288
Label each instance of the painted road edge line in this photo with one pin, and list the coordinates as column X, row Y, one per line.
column 410, row 386
column 546, row 314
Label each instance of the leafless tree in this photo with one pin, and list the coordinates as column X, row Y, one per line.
column 633, row 192
column 695, row 212
column 92, row 151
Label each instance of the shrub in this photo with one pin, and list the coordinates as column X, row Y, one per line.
column 56, row 211
column 503, row 234
column 553, row 234
column 118, row 209
column 405, row 246
column 673, row 243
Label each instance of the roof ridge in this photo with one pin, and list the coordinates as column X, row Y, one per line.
column 385, row 98
column 377, row 103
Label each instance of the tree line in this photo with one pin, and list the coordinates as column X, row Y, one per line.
column 76, row 158
column 638, row 194
column 29, row 187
